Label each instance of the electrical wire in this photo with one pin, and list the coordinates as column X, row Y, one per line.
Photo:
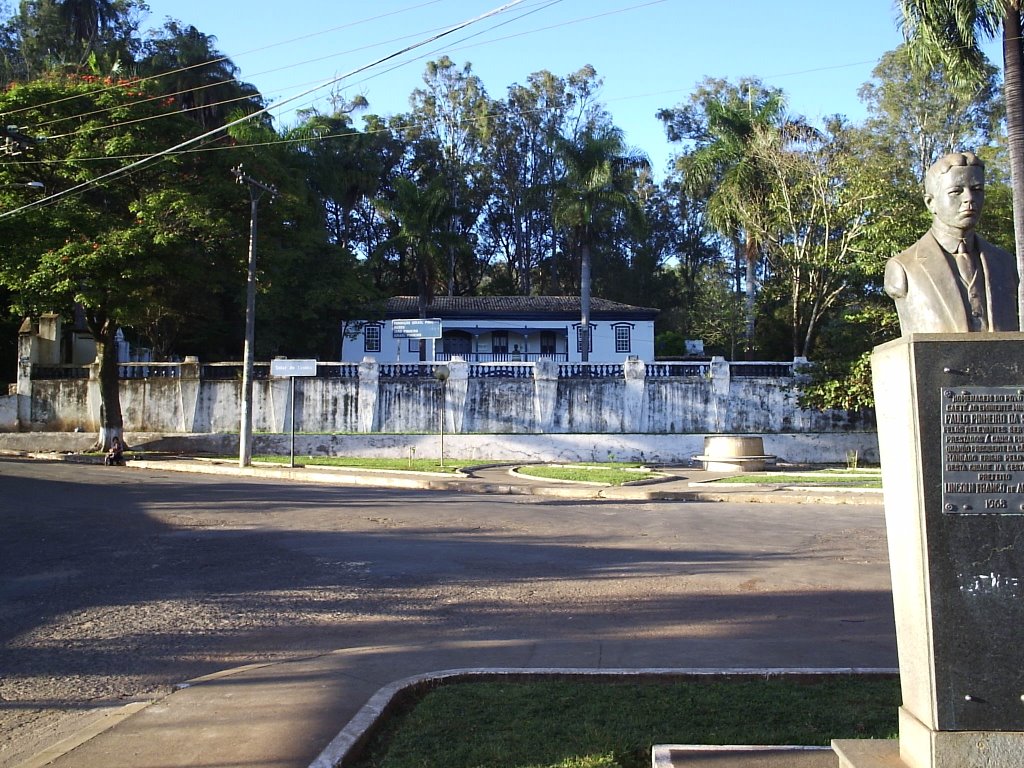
column 227, row 58
column 222, row 129
column 272, row 107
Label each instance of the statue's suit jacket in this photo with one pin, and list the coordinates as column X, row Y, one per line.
column 927, row 291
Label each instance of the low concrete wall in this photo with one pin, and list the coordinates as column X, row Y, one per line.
column 813, row 448
column 705, row 398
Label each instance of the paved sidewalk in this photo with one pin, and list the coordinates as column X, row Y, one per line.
column 280, row 714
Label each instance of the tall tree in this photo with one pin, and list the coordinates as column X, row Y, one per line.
column 810, row 221
column 950, row 32
column 420, row 216
column 525, row 166
column 920, row 115
column 600, row 183
column 450, row 116
column 720, row 123
column 108, row 247
column 96, row 36
column 202, row 81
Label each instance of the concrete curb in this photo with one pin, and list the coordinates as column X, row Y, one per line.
column 462, row 483
column 361, row 727
column 675, row 755
column 565, row 490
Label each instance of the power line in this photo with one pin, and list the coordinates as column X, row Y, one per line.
column 248, row 97
column 181, row 145
column 244, row 53
column 240, row 80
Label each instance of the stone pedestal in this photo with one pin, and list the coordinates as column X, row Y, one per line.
column 950, row 411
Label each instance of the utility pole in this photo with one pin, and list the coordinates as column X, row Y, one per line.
column 256, row 191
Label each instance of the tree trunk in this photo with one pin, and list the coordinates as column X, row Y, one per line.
column 750, row 254
column 111, row 421
column 585, row 304
column 1013, row 94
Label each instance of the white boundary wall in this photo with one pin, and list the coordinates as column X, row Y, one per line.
column 543, row 411
column 657, row 449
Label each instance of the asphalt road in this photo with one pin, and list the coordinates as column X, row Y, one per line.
column 116, row 584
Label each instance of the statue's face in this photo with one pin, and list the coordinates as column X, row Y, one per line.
column 955, row 198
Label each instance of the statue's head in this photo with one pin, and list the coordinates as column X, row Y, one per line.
column 954, row 190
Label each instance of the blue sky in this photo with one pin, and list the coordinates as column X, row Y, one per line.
column 650, row 53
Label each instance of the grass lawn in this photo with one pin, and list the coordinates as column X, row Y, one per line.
column 615, row 473
column 859, row 478
column 588, row 724
column 415, row 465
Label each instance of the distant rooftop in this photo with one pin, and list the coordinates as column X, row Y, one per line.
column 515, row 307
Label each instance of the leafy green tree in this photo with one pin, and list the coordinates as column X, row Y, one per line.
column 951, row 33
column 88, row 36
column 523, row 157
column 202, row 81
column 810, row 220
column 344, row 167
column 720, row 124
column 108, row 248
column 447, row 127
column 921, row 115
column 420, row 216
column 683, row 255
column 599, row 185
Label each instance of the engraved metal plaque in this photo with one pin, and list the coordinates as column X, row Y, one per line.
column 983, row 450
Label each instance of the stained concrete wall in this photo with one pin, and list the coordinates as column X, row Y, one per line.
column 659, row 449
column 541, row 399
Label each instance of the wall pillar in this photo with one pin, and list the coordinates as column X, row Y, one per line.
column 635, row 373
column 718, row 414
column 545, row 395
column 188, row 394
column 23, row 386
column 369, row 381
column 456, row 390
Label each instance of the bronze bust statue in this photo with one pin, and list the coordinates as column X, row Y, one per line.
column 952, row 280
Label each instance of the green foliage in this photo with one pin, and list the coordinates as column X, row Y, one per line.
column 840, row 376
column 104, row 247
column 921, row 115
column 840, row 384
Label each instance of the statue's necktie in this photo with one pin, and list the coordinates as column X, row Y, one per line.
column 965, row 263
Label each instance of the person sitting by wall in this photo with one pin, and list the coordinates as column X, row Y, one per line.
column 115, row 456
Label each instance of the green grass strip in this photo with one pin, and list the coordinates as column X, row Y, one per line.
column 865, row 480
column 612, row 474
column 413, row 465
column 567, row 724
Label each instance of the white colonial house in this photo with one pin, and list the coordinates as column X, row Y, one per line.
column 505, row 329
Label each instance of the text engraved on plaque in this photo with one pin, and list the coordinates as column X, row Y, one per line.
column 983, row 450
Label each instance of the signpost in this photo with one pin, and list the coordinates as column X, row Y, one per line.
column 282, row 367
column 417, row 329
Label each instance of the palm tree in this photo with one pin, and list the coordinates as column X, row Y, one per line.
column 597, row 185
column 725, row 169
column 950, row 31
column 199, row 77
column 421, row 216
column 86, row 20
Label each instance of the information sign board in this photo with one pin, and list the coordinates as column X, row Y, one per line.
column 416, row 329
column 283, row 366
